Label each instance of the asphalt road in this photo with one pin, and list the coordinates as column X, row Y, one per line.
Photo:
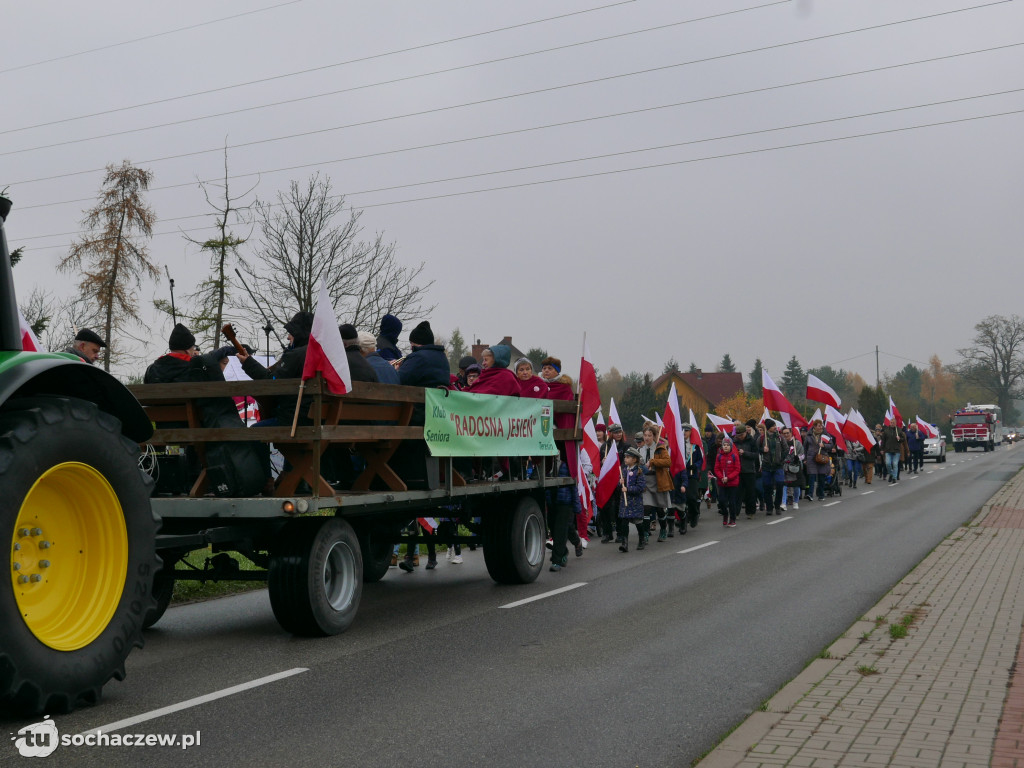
column 648, row 663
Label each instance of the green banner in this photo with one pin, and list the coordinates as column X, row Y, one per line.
column 463, row 424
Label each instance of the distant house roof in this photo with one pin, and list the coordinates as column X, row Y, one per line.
column 713, row 387
column 478, row 348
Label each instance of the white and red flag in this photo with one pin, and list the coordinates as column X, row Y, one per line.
column 928, row 429
column 834, row 421
column 590, row 400
column 695, row 439
column 776, row 401
column 583, row 489
column 895, row 413
column 613, row 414
column 590, row 445
column 610, row 477
column 856, row 429
column 721, row 424
column 600, row 417
column 326, row 351
column 429, row 524
column 29, row 342
column 820, row 392
column 817, row 416
column 673, row 432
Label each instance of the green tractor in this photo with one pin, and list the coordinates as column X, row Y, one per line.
column 75, row 517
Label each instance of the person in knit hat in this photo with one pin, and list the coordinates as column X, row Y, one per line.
column 173, row 366
column 358, row 367
column 386, row 373
column 426, row 365
column 387, row 339
column 530, row 385
column 459, row 379
column 288, row 367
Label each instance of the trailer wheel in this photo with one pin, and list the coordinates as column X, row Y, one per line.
column 77, row 515
column 316, row 577
column 518, row 534
column 376, row 547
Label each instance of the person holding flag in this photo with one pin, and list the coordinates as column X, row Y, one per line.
column 915, row 445
column 893, row 445
column 608, row 499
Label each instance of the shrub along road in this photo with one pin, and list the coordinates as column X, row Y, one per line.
column 648, row 662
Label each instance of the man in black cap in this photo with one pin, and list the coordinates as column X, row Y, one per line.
column 175, row 364
column 87, row 345
column 358, row 367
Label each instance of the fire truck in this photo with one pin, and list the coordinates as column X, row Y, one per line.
column 977, row 426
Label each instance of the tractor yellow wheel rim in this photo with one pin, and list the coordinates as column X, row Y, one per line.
column 69, row 556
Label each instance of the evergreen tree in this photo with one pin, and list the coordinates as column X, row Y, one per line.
column 754, row 386
column 727, row 365
column 672, row 366
column 456, row 350
column 535, row 355
column 638, row 402
column 873, row 403
column 794, row 382
column 693, row 368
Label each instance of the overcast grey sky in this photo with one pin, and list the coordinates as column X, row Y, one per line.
column 903, row 239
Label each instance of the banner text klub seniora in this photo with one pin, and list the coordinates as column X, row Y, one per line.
column 462, row 424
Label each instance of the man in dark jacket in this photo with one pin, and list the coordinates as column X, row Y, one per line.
column 386, row 373
column 608, row 515
column 173, row 366
column 915, row 444
column 892, row 447
column 87, row 345
column 359, row 369
column 427, row 364
column 288, row 367
column 387, row 341
column 772, row 450
column 746, row 446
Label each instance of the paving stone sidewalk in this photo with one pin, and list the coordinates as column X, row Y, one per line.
column 947, row 694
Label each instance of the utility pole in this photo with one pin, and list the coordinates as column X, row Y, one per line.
column 878, row 379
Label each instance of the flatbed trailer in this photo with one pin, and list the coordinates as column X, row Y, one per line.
column 315, row 549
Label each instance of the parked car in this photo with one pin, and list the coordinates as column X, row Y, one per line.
column 935, row 448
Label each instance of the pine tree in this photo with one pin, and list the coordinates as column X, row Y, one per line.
column 456, row 350
column 794, row 382
column 112, row 256
column 672, row 366
column 693, row 368
column 727, row 365
column 754, row 386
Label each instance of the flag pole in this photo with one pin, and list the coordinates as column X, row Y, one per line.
column 579, row 385
column 298, row 405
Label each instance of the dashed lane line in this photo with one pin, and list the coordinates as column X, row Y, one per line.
column 865, row 493
column 833, row 503
column 541, row 596
column 699, row 546
column 153, row 714
column 782, row 519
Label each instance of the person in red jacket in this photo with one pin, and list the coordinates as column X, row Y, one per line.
column 727, row 474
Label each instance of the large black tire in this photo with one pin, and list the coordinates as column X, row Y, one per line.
column 376, row 546
column 316, row 577
column 514, row 543
column 69, row 478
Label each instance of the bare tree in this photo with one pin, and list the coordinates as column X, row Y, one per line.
column 995, row 360
column 203, row 309
column 112, row 256
column 306, row 236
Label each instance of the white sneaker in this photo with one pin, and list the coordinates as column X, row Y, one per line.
column 449, row 553
column 783, row 508
column 795, row 505
column 584, row 543
column 457, row 560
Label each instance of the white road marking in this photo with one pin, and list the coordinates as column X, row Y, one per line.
column 694, row 549
column 865, row 493
column 931, row 471
column 152, row 715
column 552, row 593
column 833, row 503
column 782, row 519
column 913, row 477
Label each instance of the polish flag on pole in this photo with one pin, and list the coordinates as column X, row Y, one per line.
column 590, row 400
column 613, row 414
column 817, row 416
column 834, row 421
column 766, row 415
column 600, row 417
column 326, row 351
column 722, row 425
column 887, row 421
column 583, row 489
column 856, row 429
column 820, row 392
column 695, row 439
column 673, row 431
column 610, row 478
column 429, row 524
column 928, row 428
column 896, row 413
column 776, row 401
column 590, row 446
column 29, row 342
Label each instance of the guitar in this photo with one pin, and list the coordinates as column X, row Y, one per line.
column 229, row 334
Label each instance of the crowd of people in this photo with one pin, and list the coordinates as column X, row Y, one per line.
column 760, row 467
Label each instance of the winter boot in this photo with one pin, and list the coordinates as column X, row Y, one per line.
column 624, row 544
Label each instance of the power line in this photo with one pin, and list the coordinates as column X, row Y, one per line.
column 489, row 100
column 320, row 68
column 137, row 40
column 406, row 78
column 634, row 169
column 550, row 125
